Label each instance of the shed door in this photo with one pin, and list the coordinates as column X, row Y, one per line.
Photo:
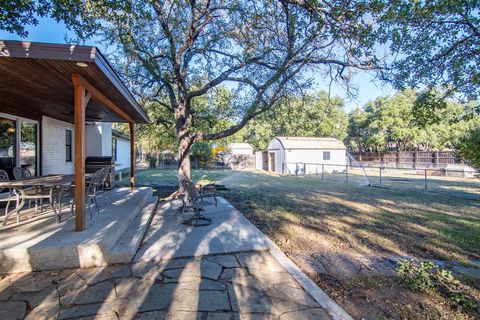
column 272, row 161
column 265, row 160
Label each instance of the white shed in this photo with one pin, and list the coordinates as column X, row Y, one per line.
column 306, row 155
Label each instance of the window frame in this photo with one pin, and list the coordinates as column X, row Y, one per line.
column 68, row 146
column 18, row 126
column 325, row 153
column 114, row 148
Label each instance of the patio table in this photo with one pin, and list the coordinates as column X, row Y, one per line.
column 53, row 181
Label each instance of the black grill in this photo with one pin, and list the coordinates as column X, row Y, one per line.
column 95, row 163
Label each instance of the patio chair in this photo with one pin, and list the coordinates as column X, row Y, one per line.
column 102, row 180
column 38, row 193
column 92, row 189
column 9, row 195
column 193, row 201
column 21, row 173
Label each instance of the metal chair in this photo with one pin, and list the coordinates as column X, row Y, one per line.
column 104, row 172
column 8, row 196
column 92, row 189
column 192, row 201
column 21, row 173
column 37, row 193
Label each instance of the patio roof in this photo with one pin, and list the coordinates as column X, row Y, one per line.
column 36, row 80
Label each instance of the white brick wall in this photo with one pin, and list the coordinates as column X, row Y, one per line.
column 53, row 146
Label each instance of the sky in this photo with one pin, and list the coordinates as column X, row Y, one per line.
column 48, row 30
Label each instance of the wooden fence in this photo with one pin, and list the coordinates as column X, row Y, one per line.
column 408, row 159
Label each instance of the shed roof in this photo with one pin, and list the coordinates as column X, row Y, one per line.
column 311, row 143
column 36, row 80
column 240, row 145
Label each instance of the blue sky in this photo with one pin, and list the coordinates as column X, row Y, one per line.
column 48, row 30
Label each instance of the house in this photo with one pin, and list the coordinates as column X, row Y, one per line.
column 242, row 148
column 239, row 156
column 304, row 155
column 120, row 150
column 57, row 103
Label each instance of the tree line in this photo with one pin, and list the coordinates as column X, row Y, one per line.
column 408, row 120
column 401, row 122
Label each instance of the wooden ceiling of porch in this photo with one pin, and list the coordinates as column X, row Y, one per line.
column 31, row 86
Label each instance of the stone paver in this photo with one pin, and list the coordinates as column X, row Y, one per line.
column 10, row 310
column 241, row 286
column 170, row 279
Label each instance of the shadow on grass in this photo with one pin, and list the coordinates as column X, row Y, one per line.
column 365, row 219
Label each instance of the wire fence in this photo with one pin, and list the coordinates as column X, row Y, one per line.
column 462, row 183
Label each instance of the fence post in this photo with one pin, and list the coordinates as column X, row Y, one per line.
column 346, row 173
column 304, row 169
column 296, row 169
column 425, row 179
column 323, row 170
column 380, row 177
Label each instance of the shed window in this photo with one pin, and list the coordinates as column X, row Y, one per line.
column 114, row 149
column 326, row 155
column 68, row 145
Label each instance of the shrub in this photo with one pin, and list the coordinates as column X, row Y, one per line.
column 429, row 277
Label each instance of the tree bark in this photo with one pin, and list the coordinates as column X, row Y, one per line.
column 184, row 158
column 183, row 121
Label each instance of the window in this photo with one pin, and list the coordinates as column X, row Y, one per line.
column 114, row 149
column 68, row 145
column 18, row 144
column 326, row 155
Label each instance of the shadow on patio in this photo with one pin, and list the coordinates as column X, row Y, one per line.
column 222, row 271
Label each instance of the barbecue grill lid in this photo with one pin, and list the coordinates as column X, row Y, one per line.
column 98, row 159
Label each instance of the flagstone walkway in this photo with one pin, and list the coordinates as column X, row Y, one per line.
column 226, row 285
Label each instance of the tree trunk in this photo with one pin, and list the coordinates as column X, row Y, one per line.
column 184, row 157
column 183, row 121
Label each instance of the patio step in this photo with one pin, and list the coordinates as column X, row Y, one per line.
column 46, row 245
column 127, row 245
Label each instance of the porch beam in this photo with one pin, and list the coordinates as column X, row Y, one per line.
column 96, row 95
column 80, row 106
column 132, row 156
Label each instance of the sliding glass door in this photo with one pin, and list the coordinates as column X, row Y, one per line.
column 18, row 144
column 8, row 145
column 28, row 146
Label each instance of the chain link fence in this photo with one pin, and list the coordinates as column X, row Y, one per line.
column 462, row 183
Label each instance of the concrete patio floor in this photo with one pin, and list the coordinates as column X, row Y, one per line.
column 42, row 244
column 228, row 270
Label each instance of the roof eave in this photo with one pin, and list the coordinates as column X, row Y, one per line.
column 74, row 53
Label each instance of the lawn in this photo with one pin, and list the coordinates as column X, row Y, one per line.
column 169, row 177
column 334, row 230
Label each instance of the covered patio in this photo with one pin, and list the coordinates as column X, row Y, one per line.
column 70, row 84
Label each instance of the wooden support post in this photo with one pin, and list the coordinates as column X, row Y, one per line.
column 132, row 156
column 80, row 105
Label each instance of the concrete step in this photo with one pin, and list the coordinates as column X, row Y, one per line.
column 46, row 245
column 127, row 245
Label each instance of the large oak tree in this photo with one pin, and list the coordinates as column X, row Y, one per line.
column 175, row 52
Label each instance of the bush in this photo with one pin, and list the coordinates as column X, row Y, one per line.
column 467, row 146
column 428, row 277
